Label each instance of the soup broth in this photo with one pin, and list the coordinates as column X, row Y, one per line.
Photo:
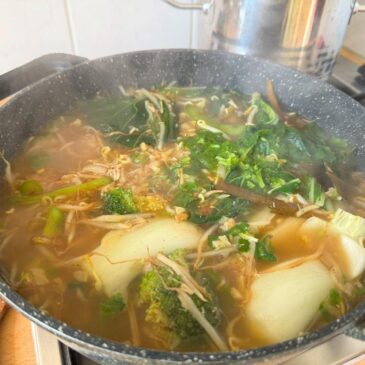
column 186, row 219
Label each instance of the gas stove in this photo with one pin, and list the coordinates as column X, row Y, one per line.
column 348, row 77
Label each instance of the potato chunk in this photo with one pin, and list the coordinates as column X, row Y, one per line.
column 126, row 251
column 284, row 302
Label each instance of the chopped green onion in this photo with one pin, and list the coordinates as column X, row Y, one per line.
column 264, row 250
column 238, row 229
column 243, row 245
column 31, row 187
column 54, row 222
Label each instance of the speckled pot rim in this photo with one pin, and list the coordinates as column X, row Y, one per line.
column 107, row 347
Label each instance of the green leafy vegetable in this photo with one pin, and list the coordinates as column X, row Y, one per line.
column 211, row 209
column 118, row 201
column 112, row 306
column 139, row 157
column 314, row 192
column 264, row 250
column 265, row 114
column 131, row 120
column 325, row 313
column 243, row 245
column 334, row 297
column 238, row 235
column 238, row 229
column 211, row 151
column 331, row 307
column 38, row 161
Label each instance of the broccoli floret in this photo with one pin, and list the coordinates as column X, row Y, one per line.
column 170, row 319
column 118, row 201
column 112, row 305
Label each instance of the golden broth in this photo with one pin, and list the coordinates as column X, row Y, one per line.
column 50, row 272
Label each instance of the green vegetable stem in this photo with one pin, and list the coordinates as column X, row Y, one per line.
column 68, row 191
column 54, row 222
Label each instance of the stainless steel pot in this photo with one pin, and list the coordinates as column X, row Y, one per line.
column 302, row 34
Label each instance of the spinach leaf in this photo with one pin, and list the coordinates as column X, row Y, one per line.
column 209, row 151
column 131, row 120
column 264, row 250
column 265, row 114
column 243, row 245
column 237, row 229
column 211, row 209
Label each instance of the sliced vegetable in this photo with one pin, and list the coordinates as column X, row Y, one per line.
column 68, row 191
column 283, row 303
column 31, row 187
column 119, row 258
column 351, row 225
column 54, row 222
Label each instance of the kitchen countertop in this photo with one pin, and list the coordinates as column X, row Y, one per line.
column 16, row 341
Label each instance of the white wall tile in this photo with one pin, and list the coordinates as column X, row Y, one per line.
column 31, row 28
column 355, row 36
column 103, row 27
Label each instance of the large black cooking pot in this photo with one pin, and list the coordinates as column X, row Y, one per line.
column 38, row 103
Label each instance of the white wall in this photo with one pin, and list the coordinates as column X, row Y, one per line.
column 91, row 28
column 94, row 28
column 355, row 36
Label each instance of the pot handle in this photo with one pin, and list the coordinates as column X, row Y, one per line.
column 35, row 70
column 358, row 8
column 203, row 5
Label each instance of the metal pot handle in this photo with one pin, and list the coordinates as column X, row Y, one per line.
column 35, row 70
column 203, row 5
column 358, row 8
